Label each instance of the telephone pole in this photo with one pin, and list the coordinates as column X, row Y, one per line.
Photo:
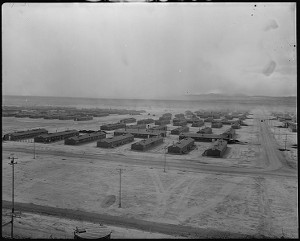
column 12, row 163
column 285, row 142
column 120, row 189
column 33, row 149
column 165, row 158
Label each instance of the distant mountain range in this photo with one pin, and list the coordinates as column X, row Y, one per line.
column 217, row 96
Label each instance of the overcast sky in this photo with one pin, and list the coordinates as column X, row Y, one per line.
column 146, row 50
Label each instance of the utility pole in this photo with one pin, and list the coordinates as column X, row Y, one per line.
column 12, row 163
column 33, row 149
column 165, row 159
column 120, row 189
column 285, row 142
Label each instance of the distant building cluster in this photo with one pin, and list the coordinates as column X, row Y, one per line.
column 190, row 127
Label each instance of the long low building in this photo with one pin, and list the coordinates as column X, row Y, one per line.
column 128, row 120
column 179, row 130
column 160, row 127
column 113, row 126
column 201, row 137
column 115, row 141
column 98, row 135
column 56, row 136
column 162, row 122
column 217, row 149
column 181, row 147
column 19, row 135
column 145, row 121
column 83, row 118
column 147, row 143
column 182, row 122
column 137, row 133
column 140, row 126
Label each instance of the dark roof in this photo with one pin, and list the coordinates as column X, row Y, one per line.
column 82, row 137
column 58, row 133
column 114, row 124
column 212, row 136
column 20, row 133
column 183, row 142
column 141, row 131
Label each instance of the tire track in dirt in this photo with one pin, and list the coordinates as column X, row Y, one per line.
column 164, row 194
column 264, row 210
column 226, row 190
column 184, row 197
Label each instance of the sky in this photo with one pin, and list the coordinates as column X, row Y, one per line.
column 148, row 50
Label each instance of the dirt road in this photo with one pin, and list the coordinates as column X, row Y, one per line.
column 187, row 165
column 123, row 222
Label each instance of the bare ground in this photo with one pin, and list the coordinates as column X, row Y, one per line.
column 259, row 204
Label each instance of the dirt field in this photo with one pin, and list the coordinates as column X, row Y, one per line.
column 255, row 201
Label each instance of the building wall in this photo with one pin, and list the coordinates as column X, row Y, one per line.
column 27, row 134
column 48, row 138
column 88, row 138
column 139, row 145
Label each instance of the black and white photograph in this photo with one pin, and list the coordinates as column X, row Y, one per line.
column 149, row 120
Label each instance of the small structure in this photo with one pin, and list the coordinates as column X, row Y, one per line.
column 216, row 125
column 57, row 136
column 83, row 118
column 115, row 141
column 229, row 133
column 236, row 125
column 85, row 138
column 200, row 137
column 113, row 126
column 292, row 126
column 205, row 130
column 179, row 130
column 217, row 149
column 147, row 143
column 128, row 120
column 66, row 117
column 145, row 121
column 19, row 135
column 101, row 232
column 198, row 123
column 208, row 119
column 182, row 147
